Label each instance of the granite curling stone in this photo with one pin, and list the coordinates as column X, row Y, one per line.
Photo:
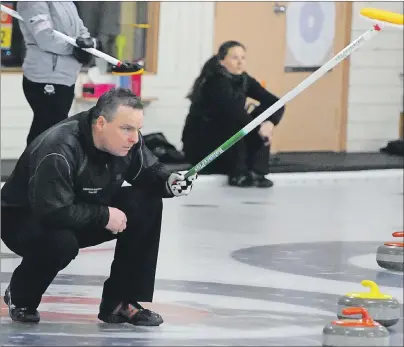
column 390, row 256
column 351, row 332
column 383, row 308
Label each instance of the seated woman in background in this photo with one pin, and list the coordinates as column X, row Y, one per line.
column 218, row 111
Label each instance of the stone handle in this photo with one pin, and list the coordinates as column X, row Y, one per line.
column 351, row 311
column 374, row 288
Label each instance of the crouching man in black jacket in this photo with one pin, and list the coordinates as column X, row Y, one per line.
column 66, row 193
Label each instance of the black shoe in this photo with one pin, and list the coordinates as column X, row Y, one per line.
column 128, row 313
column 241, row 180
column 260, row 181
column 20, row 314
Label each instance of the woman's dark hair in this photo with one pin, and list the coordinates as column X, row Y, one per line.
column 210, row 68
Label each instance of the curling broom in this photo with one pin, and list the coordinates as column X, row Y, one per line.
column 381, row 18
column 119, row 67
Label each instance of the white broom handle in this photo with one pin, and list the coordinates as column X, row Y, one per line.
column 289, row 96
column 68, row 39
column 314, row 76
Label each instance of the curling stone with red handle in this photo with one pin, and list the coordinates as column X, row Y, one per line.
column 355, row 332
column 390, row 256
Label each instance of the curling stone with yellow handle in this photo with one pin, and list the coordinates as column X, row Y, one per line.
column 351, row 332
column 383, row 308
column 390, row 256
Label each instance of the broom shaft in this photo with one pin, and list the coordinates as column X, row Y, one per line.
column 68, row 39
column 289, row 96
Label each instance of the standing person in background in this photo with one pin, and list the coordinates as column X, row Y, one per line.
column 218, row 111
column 51, row 65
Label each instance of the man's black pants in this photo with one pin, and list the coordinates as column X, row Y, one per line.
column 50, row 105
column 46, row 252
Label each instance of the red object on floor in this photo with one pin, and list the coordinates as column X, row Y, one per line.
column 92, row 90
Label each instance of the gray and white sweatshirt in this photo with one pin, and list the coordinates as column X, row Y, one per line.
column 49, row 59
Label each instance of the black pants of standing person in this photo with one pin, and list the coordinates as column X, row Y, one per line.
column 45, row 252
column 50, row 103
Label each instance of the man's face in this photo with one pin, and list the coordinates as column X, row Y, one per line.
column 122, row 133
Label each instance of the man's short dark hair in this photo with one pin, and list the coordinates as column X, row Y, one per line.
column 109, row 102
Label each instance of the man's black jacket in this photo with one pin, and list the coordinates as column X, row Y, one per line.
column 66, row 182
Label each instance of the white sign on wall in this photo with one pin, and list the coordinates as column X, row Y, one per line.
column 310, row 32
